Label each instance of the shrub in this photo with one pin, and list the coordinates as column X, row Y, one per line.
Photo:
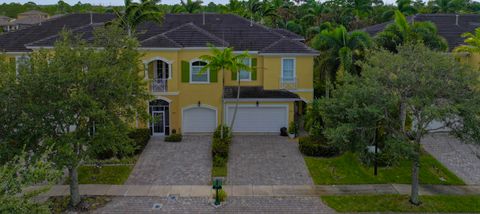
column 174, row 138
column 226, row 132
column 222, row 195
column 293, row 128
column 140, row 138
column 219, row 161
column 317, row 148
column 220, row 148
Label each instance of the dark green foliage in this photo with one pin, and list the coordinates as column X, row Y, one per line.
column 220, row 149
column 219, row 161
column 226, row 132
column 317, row 148
column 174, row 138
column 140, row 138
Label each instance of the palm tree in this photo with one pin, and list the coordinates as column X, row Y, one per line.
column 137, row 13
column 224, row 59
column 192, row 6
column 447, row 6
column 472, row 43
column 404, row 6
column 401, row 32
column 339, row 50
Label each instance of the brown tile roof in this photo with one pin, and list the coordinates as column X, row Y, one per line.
column 449, row 26
column 177, row 30
column 258, row 92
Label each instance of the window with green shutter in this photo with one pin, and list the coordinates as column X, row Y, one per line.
column 185, row 71
column 254, row 68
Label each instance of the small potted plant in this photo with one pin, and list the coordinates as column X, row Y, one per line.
column 292, row 130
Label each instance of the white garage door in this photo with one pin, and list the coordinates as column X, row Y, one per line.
column 199, row 119
column 258, row 119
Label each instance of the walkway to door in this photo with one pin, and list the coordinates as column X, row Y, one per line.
column 180, row 163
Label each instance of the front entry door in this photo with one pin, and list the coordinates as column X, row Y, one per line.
column 158, row 124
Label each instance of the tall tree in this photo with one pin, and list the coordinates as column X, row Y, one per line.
column 137, row 13
column 433, row 87
column 472, row 42
column 221, row 60
column 447, row 6
column 339, row 51
column 192, row 6
column 402, row 32
column 77, row 100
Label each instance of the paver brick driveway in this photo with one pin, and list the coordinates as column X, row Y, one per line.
column 174, row 163
column 266, row 160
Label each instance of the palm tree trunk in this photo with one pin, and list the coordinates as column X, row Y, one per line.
column 74, row 190
column 236, row 105
column 223, row 104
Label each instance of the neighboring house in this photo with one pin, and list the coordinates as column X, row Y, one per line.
column 273, row 95
column 5, row 23
column 449, row 26
column 24, row 20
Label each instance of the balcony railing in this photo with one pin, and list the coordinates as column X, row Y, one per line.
column 289, row 84
column 159, row 85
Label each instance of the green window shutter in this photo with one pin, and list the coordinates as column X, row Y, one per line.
column 150, row 70
column 213, row 76
column 234, row 75
column 185, row 71
column 254, row 68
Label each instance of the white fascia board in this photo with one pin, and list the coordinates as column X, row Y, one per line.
column 263, row 99
column 288, row 54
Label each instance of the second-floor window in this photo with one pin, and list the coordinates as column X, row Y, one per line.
column 245, row 75
column 195, row 72
column 288, row 69
column 162, row 70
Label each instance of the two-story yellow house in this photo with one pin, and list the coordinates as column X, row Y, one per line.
column 271, row 96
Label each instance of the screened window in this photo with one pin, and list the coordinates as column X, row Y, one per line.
column 288, row 69
column 195, row 75
column 245, row 75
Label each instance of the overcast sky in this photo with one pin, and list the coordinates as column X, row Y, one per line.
column 116, row 2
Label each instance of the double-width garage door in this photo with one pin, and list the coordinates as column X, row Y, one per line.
column 252, row 118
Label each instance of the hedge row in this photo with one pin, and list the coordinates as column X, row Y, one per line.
column 220, row 146
column 317, row 148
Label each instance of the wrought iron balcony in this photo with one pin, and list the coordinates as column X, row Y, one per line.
column 159, row 85
column 288, row 83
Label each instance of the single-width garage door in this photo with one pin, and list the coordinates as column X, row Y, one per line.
column 199, row 119
column 251, row 118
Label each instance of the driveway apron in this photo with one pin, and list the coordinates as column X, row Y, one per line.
column 266, row 160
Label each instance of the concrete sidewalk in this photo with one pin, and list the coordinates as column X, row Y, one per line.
column 251, row 190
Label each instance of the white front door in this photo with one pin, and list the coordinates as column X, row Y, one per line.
column 199, row 120
column 252, row 118
column 158, row 123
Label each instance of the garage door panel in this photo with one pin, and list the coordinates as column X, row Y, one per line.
column 199, row 119
column 258, row 119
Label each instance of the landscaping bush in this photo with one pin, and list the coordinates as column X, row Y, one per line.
column 220, row 147
column 174, row 138
column 317, row 148
column 226, row 133
column 293, row 128
column 140, row 138
column 219, row 161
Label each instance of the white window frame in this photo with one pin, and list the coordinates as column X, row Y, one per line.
column 17, row 62
column 249, row 73
column 294, row 68
column 191, row 73
column 154, row 59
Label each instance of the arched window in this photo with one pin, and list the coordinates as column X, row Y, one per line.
column 195, row 72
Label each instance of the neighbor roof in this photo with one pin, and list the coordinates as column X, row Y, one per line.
column 33, row 12
column 449, row 26
column 176, row 31
column 255, row 92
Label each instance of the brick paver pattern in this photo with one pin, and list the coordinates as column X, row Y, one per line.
column 463, row 159
column 266, row 160
column 174, row 163
column 203, row 205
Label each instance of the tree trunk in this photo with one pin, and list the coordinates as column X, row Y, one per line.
column 223, row 104
column 414, row 197
column 74, row 190
column 236, row 105
column 403, row 115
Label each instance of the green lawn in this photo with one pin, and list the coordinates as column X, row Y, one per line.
column 399, row 203
column 219, row 171
column 105, row 175
column 347, row 169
